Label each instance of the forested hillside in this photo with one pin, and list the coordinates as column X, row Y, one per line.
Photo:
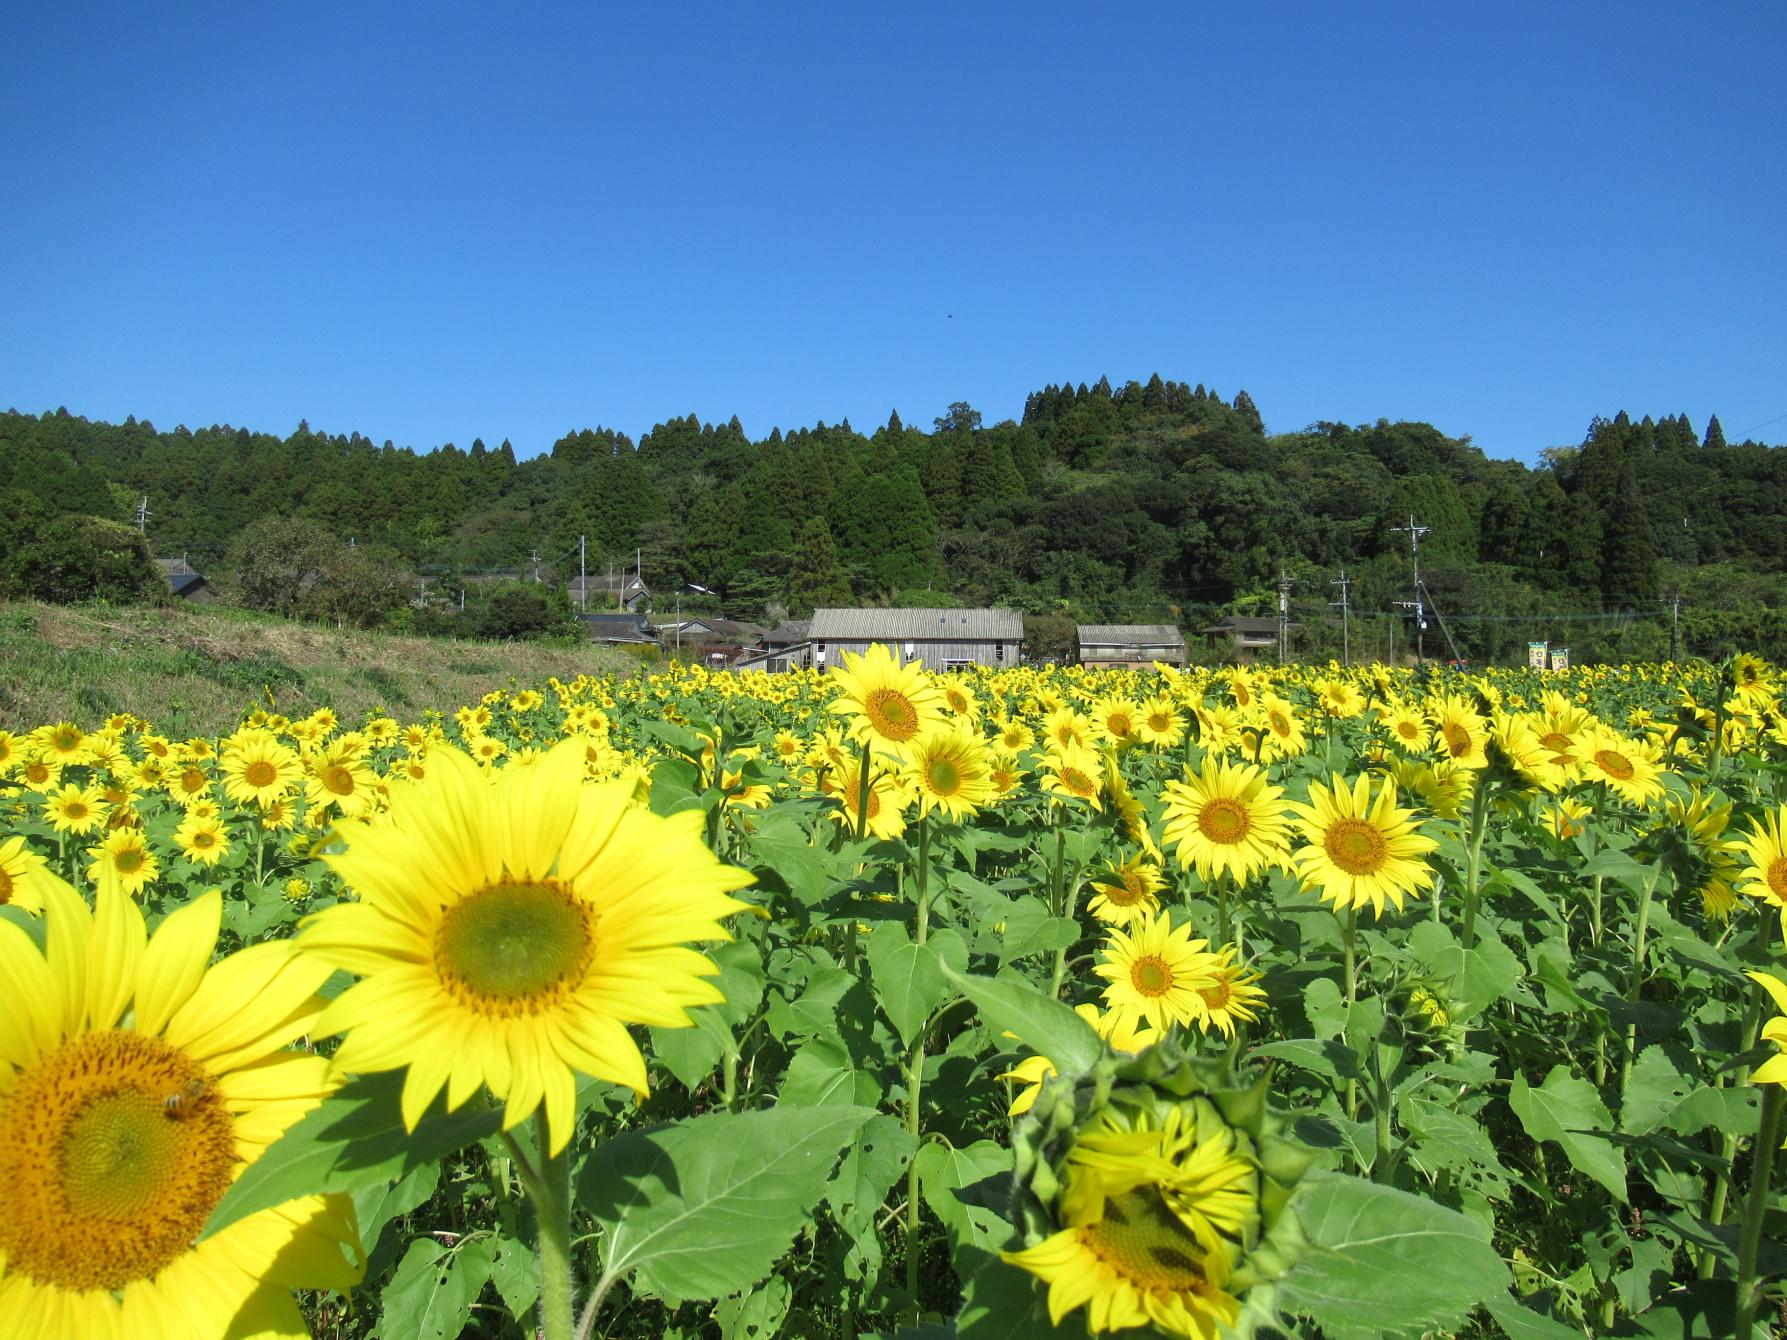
column 1145, row 502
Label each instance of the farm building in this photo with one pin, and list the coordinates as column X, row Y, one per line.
column 1130, row 645
column 617, row 628
column 185, row 582
column 605, row 591
column 788, row 646
column 940, row 639
column 1243, row 637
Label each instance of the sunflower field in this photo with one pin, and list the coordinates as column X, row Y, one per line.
column 1300, row 1001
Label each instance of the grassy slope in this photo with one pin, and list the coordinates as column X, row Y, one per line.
column 192, row 670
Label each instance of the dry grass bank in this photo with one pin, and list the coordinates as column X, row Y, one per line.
column 192, row 670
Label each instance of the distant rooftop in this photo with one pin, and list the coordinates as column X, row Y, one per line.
column 859, row 625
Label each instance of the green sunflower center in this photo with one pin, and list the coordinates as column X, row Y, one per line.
column 1224, row 819
column 1151, row 975
column 338, row 779
column 891, row 714
column 515, row 949
column 1355, row 846
column 943, row 777
column 1142, row 1241
column 114, row 1148
column 128, row 861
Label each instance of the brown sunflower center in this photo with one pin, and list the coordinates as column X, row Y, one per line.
column 204, row 839
column 260, row 773
column 1077, row 782
column 1218, row 996
column 1279, row 722
column 1615, row 764
column 1160, row 721
column 114, row 1148
column 1151, row 975
column 1776, row 877
column 1142, row 1241
column 338, row 779
column 128, row 861
column 192, row 780
column 891, row 714
column 1356, row 846
column 1408, row 730
column 76, row 810
column 5, row 886
column 1457, row 738
column 1120, row 724
column 514, row 949
column 1126, row 890
column 1224, row 820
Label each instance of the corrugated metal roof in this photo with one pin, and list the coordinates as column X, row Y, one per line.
column 1130, row 635
column 1242, row 623
column 981, row 625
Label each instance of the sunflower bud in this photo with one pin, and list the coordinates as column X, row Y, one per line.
column 1155, row 1195
column 1424, row 1011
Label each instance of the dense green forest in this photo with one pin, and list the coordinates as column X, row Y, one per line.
column 1146, row 502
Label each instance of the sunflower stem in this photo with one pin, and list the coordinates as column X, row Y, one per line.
column 1719, row 1189
column 1637, row 980
column 1222, row 908
column 552, row 1195
column 1348, row 931
column 862, row 797
column 1749, row 1288
column 1473, row 870
column 915, row 1070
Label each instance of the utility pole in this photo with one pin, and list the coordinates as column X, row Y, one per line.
column 536, row 558
column 1675, row 625
column 582, row 579
column 1284, row 615
column 1415, row 532
column 1346, row 638
column 142, row 516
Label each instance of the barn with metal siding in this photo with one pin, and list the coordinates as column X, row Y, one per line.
column 940, row 639
column 1133, row 645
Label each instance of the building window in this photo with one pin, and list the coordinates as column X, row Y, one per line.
column 957, row 665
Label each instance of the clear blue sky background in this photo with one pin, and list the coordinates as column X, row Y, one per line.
column 443, row 221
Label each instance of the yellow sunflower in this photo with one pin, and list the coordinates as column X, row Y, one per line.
column 1765, row 847
column 949, row 769
column 24, row 876
column 888, row 797
column 1631, row 769
column 1234, row 999
column 1407, row 728
column 75, row 809
column 889, row 705
column 338, row 777
column 258, row 769
column 124, row 858
column 1064, row 727
column 1116, row 721
column 1226, row 819
column 1459, row 732
column 135, row 1085
column 1127, row 892
column 1013, row 737
column 1073, row 772
column 1153, row 1225
column 1359, row 850
column 1160, row 724
column 510, row 927
column 1157, row 971
column 202, row 840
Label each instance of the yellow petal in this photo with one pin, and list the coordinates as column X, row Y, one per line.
column 119, row 938
column 174, row 963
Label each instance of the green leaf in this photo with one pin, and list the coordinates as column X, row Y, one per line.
column 1567, row 1110
column 868, row 1170
column 1519, row 1322
column 1384, row 1260
column 758, row 1314
column 823, row 1073
column 704, row 1208
column 1321, row 1056
column 1009, row 1004
column 516, row 1274
column 378, row 1203
column 1029, row 929
column 908, row 977
column 943, row 1170
column 353, row 1139
column 430, row 1298
column 800, row 866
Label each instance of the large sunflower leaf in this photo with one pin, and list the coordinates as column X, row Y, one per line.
column 1567, row 1109
column 353, row 1139
column 1008, row 1004
column 704, row 1208
column 1387, row 1261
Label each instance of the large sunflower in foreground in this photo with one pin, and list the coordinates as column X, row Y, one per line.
column 888, row 704
column 1226, row 819
column 135, row 1085
column 1358, row 849
column 510, row 927
column 1765, row 846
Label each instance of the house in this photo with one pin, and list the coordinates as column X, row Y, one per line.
column 615, row 628
column 1130, row 645
column 607, row 591
column 788, row 646
column 940, row 639
column 186, row 583
column 718, row 641
column 1243, row 637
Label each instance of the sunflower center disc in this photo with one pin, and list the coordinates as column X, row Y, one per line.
column 1777, row 880
column 1118, row 724
column 260, row 773
column 891, row 715
column 1223, row 820
column 1142, row 1241
column 514, row 948
column 944, row 777
column 338, row 779
column 1615, row 765
column 1355, row 846
column 1151, row 975
column 5, row 887
column 105, row 1182
column 1458, row 739
column 129, row 861
column 1077, row 782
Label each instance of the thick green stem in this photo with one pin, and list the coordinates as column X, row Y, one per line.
column 1473, row 871
column 1222, row 909
column 915, row 1071
column 552, row 1197
column 1768, row 1139
column 1719, row 1188
column 1383, row 1166
column 862, row 797
column 1347, row 934
column 1636, row 983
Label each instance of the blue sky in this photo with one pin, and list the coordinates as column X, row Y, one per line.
column 432, row 223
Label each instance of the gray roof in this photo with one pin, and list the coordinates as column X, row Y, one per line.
column 175, row 567
column 1130, row 635
column 726, row 630
column 1243, row 623
column 788, row 633
column 981, row 625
